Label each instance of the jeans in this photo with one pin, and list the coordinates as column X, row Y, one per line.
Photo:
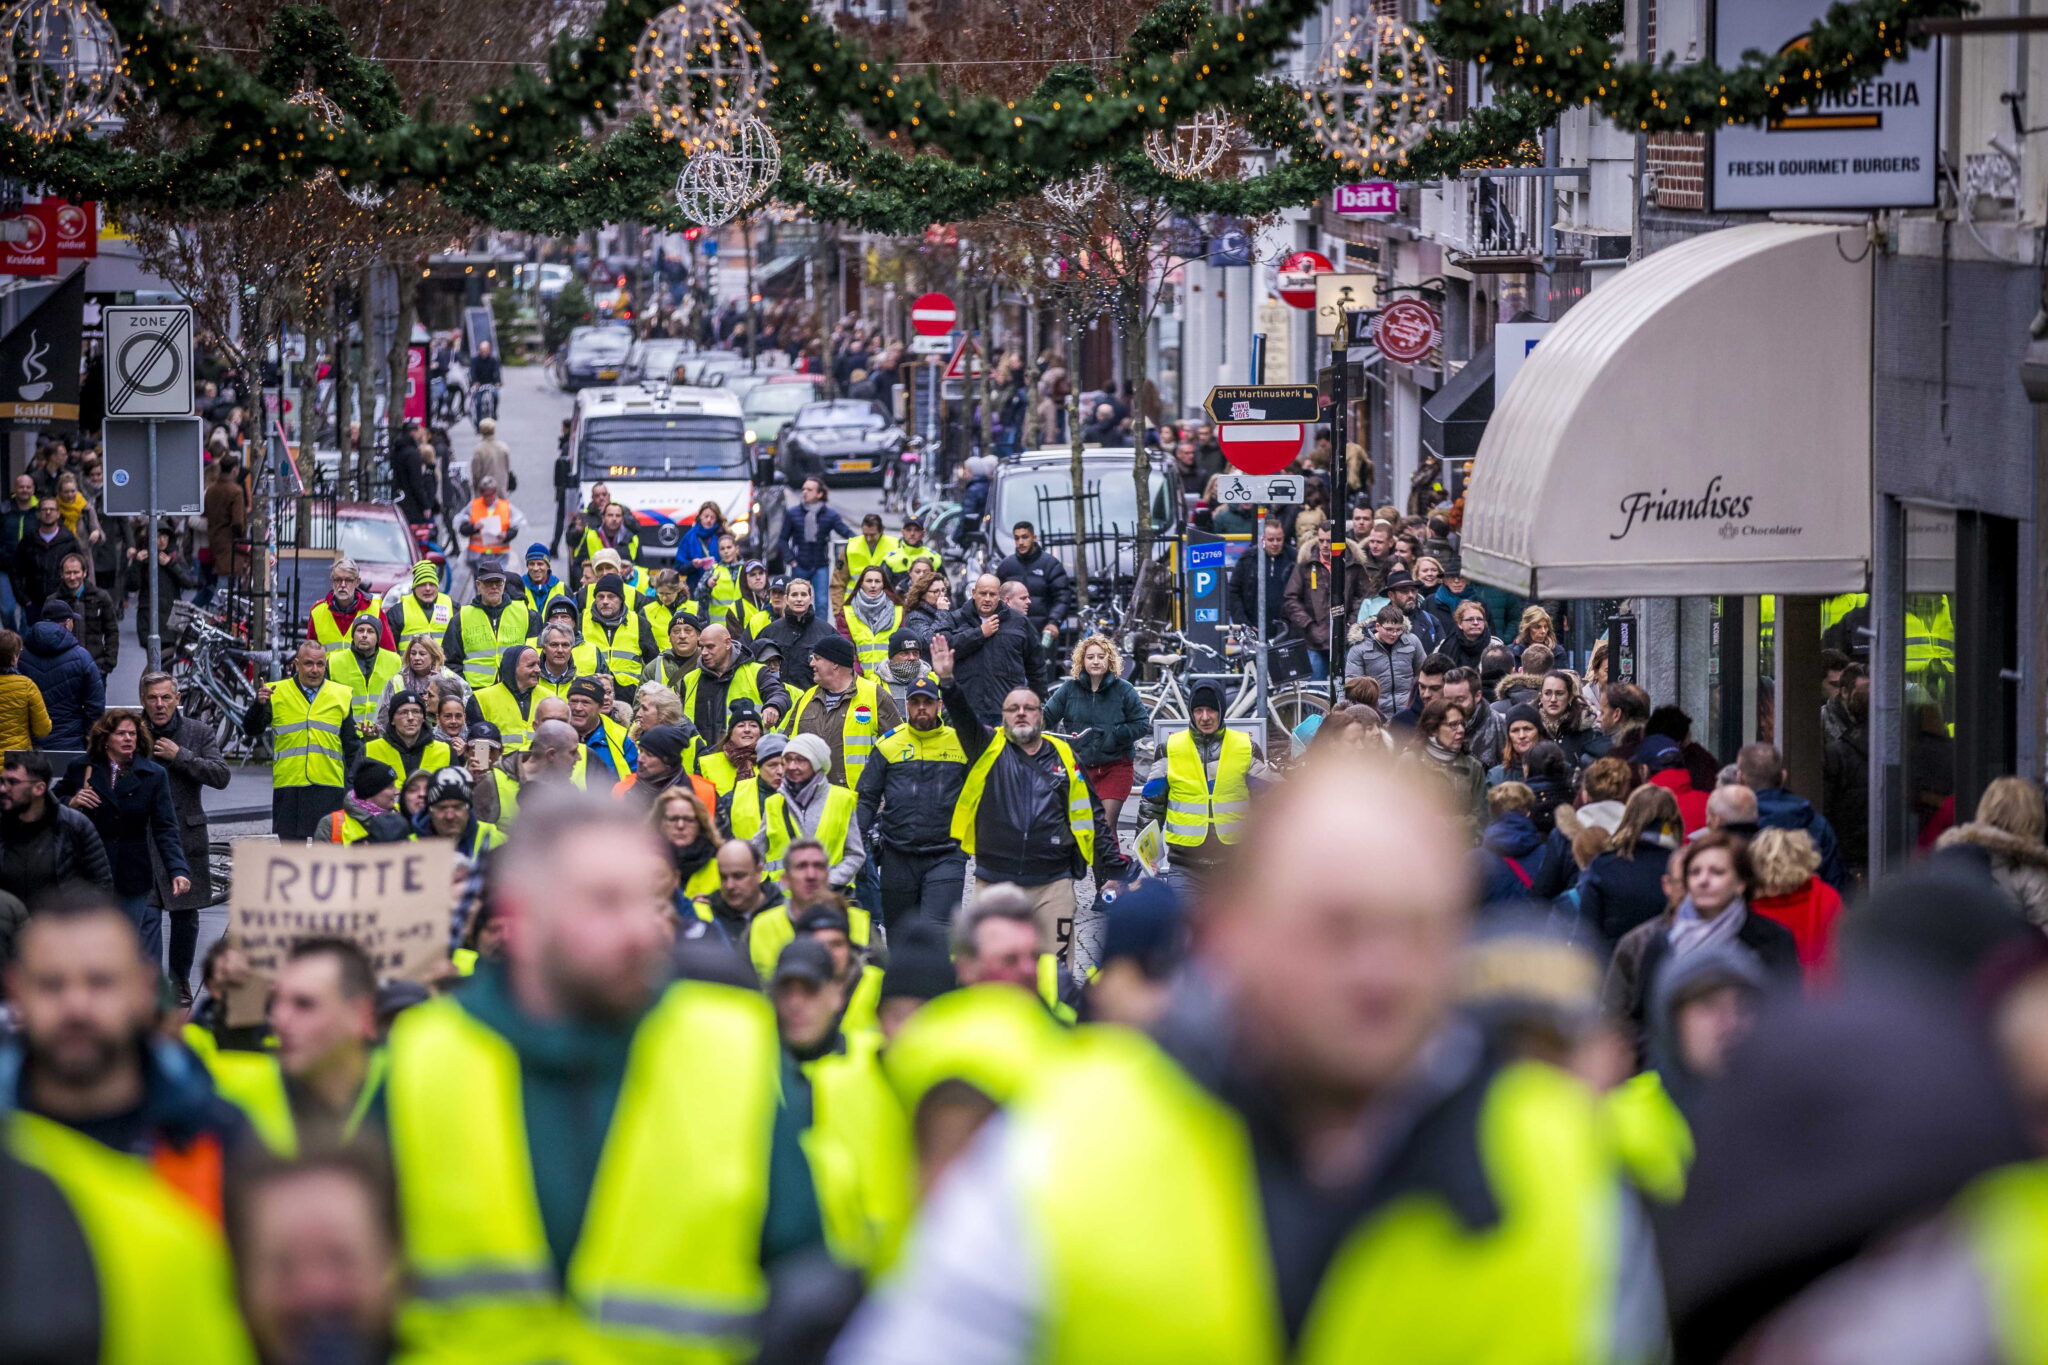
column 1318, row 665
column 821, row 587
column 149, row 923
column 928, row 884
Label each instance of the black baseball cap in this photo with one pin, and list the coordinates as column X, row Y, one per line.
column 805, row 959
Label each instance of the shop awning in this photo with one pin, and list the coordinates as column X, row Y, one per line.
column 1454, row 418
column 1701, row 425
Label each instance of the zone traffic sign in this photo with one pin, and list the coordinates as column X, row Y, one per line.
column 932, row 315
column 1263, row 403
column 149, row 361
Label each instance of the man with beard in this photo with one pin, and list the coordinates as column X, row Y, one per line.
column 796, row 633
column 502, row 1098
column 1025, row 813
column 907, row 794
column 86, row 1057
column 43, row 842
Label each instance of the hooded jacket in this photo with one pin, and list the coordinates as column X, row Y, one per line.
column 1777, row 808
column 1391, row 666
column 1692, row 805
column 796, row 637
column 1510, row 841
column 713, row 688
column 73, row 689
column 1616, row 893
column 2019, row 866
column 62, row 846
column 1721, row 964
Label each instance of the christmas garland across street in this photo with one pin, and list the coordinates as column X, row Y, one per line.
column 905, row 150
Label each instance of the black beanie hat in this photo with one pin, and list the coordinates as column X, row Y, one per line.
column 373, row 775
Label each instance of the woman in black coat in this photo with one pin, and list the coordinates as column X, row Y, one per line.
column 127, row 796
column 1624, row 886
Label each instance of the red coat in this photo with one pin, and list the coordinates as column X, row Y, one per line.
column 1810, row 914
column 1692, row 805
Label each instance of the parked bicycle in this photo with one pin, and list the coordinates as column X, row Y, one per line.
column 217, row 676
column 1287, row 704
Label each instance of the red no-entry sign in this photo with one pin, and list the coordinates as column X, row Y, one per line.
column 1260, row 447
column 932, row 315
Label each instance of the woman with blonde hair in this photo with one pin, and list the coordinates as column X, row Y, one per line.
column 422, row 669
column 1789, row 890
column 692, row 837
column 2009, row 827
column 1105, row 718
column 654, row 705
column 1535, row 628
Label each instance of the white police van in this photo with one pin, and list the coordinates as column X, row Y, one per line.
column 664, row 451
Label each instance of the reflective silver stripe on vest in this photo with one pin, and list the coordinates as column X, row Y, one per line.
column 1192, row 831
column 331, row 646
column 322, row 750
column 673, row 1318
column 474, row 1284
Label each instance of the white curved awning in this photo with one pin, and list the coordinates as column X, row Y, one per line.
column 1701, row 425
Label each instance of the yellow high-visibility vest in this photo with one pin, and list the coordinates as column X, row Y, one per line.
column 1127, row 1140
column 833, row 825
column 1193, row 807
column 871, row 645
column 305, row 735
column 365, row 685
column 667, row 1266
column 856, row 735
column 330, row 633
column 862, row 1162
column 1080, row 810
column 484, row 644
column 433, row 756
column 770, row 931
column 504, row 710
column 416, row 622
column 620, row 645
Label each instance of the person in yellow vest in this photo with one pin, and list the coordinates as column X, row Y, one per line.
column 559, row 662
column 1200, row 789
column 872, row 616
column 906, row 798
column 118, row 1264
column 484, row 629
column 683, row 654
column 845, row 710
column 909, row 551
column 858, row 1140
column 810, row 805
column 725, row 673
column 519, row 1244
column 1322, row 1161
column 451, row 814
column 329, row 621
column 638, row 588
column 540, row 586
column 806, row 886
column 313, row 740
column 871, row 546
column 725, row 766
column 722, row 592
column 740, row 810
column 830, row 924
column 757, row 609
column 406, row 742
column 621, row 635
column 509, row 702
column 423, row 613
column 364, row 668
column 324, row 1084
column 667, row 603
column 490, row 523
column 369, row 811
column 611, row 532
column 1035, row 823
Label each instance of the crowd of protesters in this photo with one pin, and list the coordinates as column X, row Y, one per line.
column 1496, row 1019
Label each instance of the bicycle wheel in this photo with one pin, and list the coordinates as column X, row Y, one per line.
column 1286, row 708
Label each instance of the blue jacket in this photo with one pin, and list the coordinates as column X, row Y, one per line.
column 537, row 597
column 1514, row 836
column 806, row 554
column 1780, row 809
column 133, row 814
column 1616, row 894
column 700, row 544
column 69, row 680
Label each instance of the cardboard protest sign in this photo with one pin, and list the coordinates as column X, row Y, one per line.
column 392, row 899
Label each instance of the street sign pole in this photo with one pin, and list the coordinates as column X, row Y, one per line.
column 1259, row 549
column 156, row 644
column 1339, row 510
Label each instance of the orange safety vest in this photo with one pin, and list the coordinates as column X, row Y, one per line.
column 478, row 510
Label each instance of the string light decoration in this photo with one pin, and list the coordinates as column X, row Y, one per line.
column 818, row 173
column 1071, row 196
column 717, row 186
column 328, row 112
column 1189, row 151
column 699, row 73
column 60, row 67
column 1376, row 92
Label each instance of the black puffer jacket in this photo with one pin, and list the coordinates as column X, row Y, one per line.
column 909, row 787
column 36, row 855
column 796, row 637
column 990, row 667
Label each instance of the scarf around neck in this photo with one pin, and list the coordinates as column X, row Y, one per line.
column 1690, row 933
column 875, row 610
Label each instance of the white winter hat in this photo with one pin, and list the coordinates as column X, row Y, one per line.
column 812, row 748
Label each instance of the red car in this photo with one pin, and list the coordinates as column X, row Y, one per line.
column 384, row 548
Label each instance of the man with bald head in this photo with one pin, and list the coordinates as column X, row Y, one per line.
column 1318, row 1157
column 994, row 650
column 725, row 671
column 1025, row 814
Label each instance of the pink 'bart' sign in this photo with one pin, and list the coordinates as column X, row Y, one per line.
column 1373, row 199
